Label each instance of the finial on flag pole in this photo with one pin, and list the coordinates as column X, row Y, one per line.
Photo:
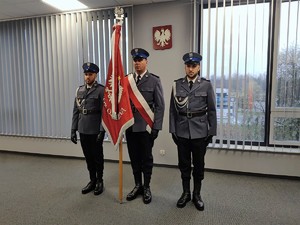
column 119, row 14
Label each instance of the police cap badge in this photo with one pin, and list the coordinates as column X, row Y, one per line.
column 192, row 58
column 90, row 67
column 139, row 53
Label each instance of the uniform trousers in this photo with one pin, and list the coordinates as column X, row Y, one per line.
column 191, row 151
column 139, row 146
column 93, row 153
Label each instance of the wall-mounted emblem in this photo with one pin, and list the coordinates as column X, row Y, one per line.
column 162, row 37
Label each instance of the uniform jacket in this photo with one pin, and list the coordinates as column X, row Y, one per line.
column 151, row 89
column 92, row 101
column 200, row 98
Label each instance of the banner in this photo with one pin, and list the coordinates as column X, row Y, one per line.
column 116, row 114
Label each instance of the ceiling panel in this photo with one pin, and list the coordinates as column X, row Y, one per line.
column 10, row 9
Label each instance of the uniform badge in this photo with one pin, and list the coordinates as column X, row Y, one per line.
column 191, row 55
column 88, row 64
column 136, row 50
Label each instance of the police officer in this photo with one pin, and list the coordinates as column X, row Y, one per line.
column 87, row 121
column 139, row 141
column 193, row 123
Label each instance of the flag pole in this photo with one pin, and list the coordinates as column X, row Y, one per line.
column 121, row 172
column 119, row 14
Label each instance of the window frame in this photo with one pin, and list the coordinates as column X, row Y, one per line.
column 270, row 110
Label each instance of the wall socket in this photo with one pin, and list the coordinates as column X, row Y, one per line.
column 162, row 152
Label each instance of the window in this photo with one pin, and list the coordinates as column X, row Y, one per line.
column 235, row 49
column 285, row 107
column 236, row 44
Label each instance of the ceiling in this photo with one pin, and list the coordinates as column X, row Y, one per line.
column 13, row 9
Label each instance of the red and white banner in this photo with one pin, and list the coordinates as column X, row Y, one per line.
column 140, row 103
column 116, row 114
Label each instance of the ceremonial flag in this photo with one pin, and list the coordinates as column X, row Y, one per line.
column 116, row 115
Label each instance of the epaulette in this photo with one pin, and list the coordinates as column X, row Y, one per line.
column 180, row 79
column 154, row 75
column 202, row 78
column 96, row 84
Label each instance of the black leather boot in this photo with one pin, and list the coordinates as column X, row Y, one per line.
column 147, row 196
column 186, row 195
column 197, row 200
column 137, row 190
column 185, row 198
column 99, row 187
column 89, row 187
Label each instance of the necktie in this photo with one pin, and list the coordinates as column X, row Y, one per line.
column 191, row 84
column 138, row 79
column 86, row 92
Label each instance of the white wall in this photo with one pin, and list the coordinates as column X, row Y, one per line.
column 169, row 66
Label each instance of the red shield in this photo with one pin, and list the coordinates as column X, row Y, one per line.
column 162, row 37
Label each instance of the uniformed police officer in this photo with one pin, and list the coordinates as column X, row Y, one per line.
column 193, row 123
column 87, row 121
column 139, row 141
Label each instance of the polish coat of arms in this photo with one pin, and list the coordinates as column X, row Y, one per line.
column 162, row 37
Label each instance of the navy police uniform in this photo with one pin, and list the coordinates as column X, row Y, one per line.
column 87, row 121
column 192, row 122
column 139, row 141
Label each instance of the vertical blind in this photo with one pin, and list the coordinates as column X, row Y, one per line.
column 240, row 42
column 235, row 49
column 40, row 66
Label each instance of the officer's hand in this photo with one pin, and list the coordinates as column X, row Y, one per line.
column 208, row 139
column 73, row 136
column 100, row 137
column 175, row 138
column 154, row 134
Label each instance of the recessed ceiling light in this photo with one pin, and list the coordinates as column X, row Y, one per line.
column 66, row 5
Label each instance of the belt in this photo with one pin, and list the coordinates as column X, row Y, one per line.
column 192, row 114
column 89, row 111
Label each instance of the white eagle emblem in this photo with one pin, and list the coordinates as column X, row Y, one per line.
column 162, row 37
column 109, row 90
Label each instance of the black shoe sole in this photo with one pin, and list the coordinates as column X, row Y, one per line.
column 147, row 202
column 183, row 205
column 98, row 192
column 132, row 198
column 200, row 209
column 86, row 192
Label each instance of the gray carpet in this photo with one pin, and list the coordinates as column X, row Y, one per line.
column 47, row 191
